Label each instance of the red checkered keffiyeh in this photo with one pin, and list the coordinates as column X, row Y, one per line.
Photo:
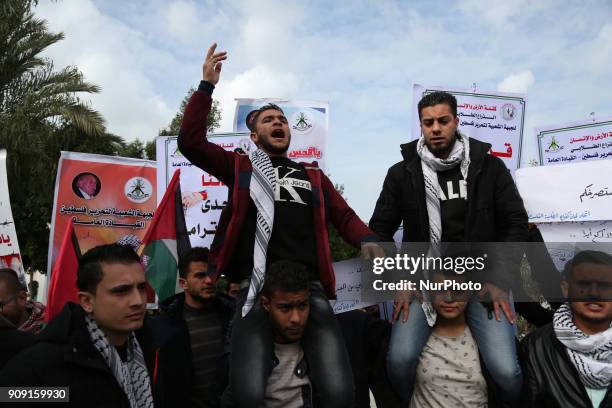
column 35, row 322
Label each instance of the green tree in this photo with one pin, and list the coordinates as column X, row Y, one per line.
column 214, row 121
column 135, row 149
column 39, row 107
column 340, row 250
column 214, row 117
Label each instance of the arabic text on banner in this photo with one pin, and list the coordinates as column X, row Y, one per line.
column 567, row 192
column 348, row 286
column 308, row 124
column 204, row 196
column 565, row 239
column 492, row 117
column 575, row 142
column 109, row 199
column 10, row 257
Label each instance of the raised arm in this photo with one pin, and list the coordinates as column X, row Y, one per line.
column 192, row 141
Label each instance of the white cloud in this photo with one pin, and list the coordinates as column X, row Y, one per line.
column 260, row 81
column 181, row 19
column 518, row 83
column 113, row 56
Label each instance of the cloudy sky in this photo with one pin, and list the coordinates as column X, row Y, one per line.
column 361, row 56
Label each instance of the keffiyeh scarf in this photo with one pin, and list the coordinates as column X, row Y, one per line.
column 430, row 164
column 591, row 355
column 131, row 375
column 262, row 187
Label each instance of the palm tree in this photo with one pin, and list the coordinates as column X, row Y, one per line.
column 30, row 89
column 40, row 114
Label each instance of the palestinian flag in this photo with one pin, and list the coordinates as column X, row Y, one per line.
column 62, row 287
column 165, row 241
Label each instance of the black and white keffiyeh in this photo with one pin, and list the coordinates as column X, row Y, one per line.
column 262, row 187
column 131, row 375
column 590, row 354
column 431, row 165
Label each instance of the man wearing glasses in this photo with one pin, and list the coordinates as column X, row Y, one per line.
column 26, row 315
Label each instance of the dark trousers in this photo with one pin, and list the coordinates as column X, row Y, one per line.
column 252, row 349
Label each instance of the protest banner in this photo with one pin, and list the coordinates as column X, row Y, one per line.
column 348, row 286
column 585, row 231
column 10, row 257
column 493, row 117
column 109, row 199
column 567, row 192
column 308, row 124
column 203, row 195
column 576, row 142
column 563, row 239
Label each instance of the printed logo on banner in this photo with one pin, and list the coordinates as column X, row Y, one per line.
column 553, row 146
column 508, row 111
column 138, row 189
column 301, row 122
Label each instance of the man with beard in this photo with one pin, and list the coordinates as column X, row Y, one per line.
column 192, row 328
column 277, row 210
column 448, row 189
column 568, row 363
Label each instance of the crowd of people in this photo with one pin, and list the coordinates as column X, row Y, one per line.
column 271, row 337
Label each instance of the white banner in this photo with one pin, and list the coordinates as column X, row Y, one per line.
column 586, row 231
column 575, row 142
column 492, row 117
column 203, row 195
column 308, row 123
column 569, row 192
column 348, row 286
column 10, row 257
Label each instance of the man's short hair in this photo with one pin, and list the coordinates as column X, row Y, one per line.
column 437, row 98
column 195, row 254
column 253, row 115
column 90, row 272
column 11, row 280
column 286, row 276
column 582, row 257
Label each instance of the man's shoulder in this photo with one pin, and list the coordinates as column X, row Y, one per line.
column 39, row 360
column 541, row 339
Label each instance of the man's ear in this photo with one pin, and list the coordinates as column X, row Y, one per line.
column 265, row 303
column 456, row 120
column 183, row 283
column 565, row 289
column 86, row 301
column 254, row 138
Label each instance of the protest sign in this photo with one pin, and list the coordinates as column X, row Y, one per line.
column 10, row 257
column 348, row 286
column 204, row 197
column 575, row 142
column 108, row 198
column 308, row 124
column 492, row 117
column 567, row 192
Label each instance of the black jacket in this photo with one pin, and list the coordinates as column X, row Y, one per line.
column 495, row 210
column 170, row 332
column 12, row 341
column 551, row 380
column 367, row 343
column 64, row 356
